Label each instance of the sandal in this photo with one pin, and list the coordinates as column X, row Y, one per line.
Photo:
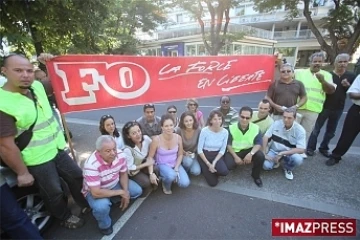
column 167, row 192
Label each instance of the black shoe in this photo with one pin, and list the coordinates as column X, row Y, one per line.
column 310, row 153
column 258, row 182
column 107, row 231
column 325, row 153
column 331, row 162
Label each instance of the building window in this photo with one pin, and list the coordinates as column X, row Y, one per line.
column 240, row 11
column 237, row 49
column 179, row 18
column 190, row 50
column 201, row 50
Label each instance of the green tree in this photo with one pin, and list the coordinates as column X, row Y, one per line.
column 217, row 35
column 342, row 23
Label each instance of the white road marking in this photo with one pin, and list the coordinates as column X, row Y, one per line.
column 124, row 218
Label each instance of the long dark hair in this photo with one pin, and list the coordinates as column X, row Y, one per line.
column 183, row 116
column 212, row 115
column 102, row 126
column 126, row 130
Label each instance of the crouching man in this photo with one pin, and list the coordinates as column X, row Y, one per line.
column 106, row 182
column 288, row 143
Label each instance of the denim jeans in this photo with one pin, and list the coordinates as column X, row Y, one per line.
column 101, row 206
column 47, row 178
column 191, row 165
column 332, row 116
column 169, row 175
column 290, row 162
column 14, row 220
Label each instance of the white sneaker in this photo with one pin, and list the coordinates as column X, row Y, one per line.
column 288, row 174
column 304, row 155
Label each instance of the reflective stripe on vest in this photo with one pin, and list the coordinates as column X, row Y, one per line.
column 39, row 125
column 47, row 135
column 242, row 141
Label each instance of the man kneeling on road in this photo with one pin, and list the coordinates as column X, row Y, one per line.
column 106, row 180
column 245, row 141
column 288, row 143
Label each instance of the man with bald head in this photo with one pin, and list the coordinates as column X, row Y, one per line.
column 32, row 143
column 230, row 114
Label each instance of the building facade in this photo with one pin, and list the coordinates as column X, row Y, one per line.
column 266, row 33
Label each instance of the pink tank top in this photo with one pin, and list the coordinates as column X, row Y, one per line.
column 167, row 156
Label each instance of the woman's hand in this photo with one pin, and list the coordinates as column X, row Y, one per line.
column 212, row 167
column 154, row 179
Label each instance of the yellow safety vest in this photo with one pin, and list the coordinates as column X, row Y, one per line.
column 242, row 141
column 315, row 94
column 47, row 135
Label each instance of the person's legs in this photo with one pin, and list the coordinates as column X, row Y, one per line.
column 211, row 178
column 191, row 165
column 269, row 165
column 183, row 180
column 221, row 168
column 100, row 210
column 229, row 161
column 331, row 126
column 168, row 176
column 290, row 162
column 258, row 161
column 349, row 132
column 308, row 121
column 323, row 116
column 14, row 220
column 143, row 180
column 72, row 175
column 48, row 181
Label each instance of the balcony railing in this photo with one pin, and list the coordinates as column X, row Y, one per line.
column 195, row 30
column 292, row 34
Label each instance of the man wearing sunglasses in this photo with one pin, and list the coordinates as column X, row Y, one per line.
column 285, row 92
column 230, row 114
column 150, row 123
column 244, row 143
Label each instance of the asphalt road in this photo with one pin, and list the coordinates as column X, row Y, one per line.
column 124, row 114
column 192, row 213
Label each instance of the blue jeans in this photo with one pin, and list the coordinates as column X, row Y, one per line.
column 332, row 116
column 290, row 162
column 191, row 165
column 101, row 206
column 14, row 220
column 169, row 175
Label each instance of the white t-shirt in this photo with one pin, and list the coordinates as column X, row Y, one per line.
column 355, row 88
column 132, row 153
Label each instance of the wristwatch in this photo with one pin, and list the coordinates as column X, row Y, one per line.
column 297, row 106
column 252, row 154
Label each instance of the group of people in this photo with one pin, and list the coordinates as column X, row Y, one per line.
column 166, row 150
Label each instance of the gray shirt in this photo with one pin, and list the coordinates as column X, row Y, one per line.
column 189, row 145
column 150, row 129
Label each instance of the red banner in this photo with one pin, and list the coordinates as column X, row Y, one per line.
column 88, row 82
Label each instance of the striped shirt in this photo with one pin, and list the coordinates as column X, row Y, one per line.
column 98, row 173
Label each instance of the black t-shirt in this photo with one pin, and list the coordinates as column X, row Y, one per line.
column 336, row 101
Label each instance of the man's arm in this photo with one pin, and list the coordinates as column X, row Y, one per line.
column 257, row 143
column 354, row 90
column 355, row 96
column 328, row 87
column 98, row 192
column 124, row 181
column 11, row 155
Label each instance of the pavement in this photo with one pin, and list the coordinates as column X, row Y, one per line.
column 235, row 209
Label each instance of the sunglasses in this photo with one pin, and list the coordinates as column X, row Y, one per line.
column 287, row 71
column 106, row 116
column 225, row 102
column 247, row 118
column 149, row 105
column 192, row 104
column 171, row 111
column 131, row 124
